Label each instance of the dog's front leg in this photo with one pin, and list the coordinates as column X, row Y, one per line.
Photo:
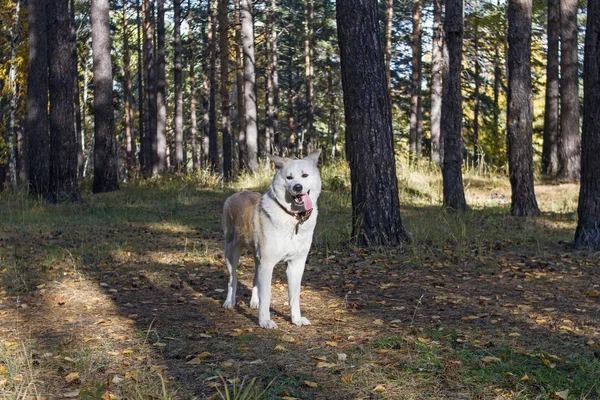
column 295, row 270
column 265, row 273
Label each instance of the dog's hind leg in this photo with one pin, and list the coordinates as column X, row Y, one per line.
column 232, row 258
column 295, row 270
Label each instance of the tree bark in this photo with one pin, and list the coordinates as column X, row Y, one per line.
column 437, row 63
column 149, row 143
column 177, row 80
column 454, row 194
column 272, row 120
column 192, row 76
column 369, row 138
column 250, row 85
column 291, row 142
column 213, row 150
column 12, row 78
column 309, row 8
column 239, row 91
column 569, row 140
column 389, row 16
column 224, row 53
column 520, row 109
column 127, row 97
column 415, row 87
column 63, row 143
column 160, row 153
column 587, row 234
column 141, row 115
column 76, row 103
column 551, row 113
column 105, row 163
column 476, row 96
column 37, row 101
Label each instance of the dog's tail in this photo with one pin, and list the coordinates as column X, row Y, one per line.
column 227, row 221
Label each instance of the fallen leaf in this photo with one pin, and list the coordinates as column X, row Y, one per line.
column 342, row 356
column 323, row 364
column 72, row 377
column 288, row 339
column 117, row 379
column 490, row 359
column 525, row 378
column 383, row 351
column 378, row 322
column 347, row 378
column 562, row 395
column 548, row 364
column 379, row 388
column 279, row 348
column 74, row 393
column 331, row 343
column 127, row 352
column 311, row 384
column 320, row 358
column 108, row 396
column 198, row 358
column 226, row 364
column 2, row 369
column 514, row 334
column 469, row 318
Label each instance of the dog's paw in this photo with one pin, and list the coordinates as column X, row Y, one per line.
column 254, row 304
column 268, row 324
column 229, row 304
column 300, row 321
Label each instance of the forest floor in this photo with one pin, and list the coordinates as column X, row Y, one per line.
column 120, row 297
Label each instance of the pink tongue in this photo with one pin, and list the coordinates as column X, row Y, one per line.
column 307, row 202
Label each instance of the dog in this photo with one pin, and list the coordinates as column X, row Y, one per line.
column 276, row 226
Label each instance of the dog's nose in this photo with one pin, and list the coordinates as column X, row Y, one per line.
column 297, row 188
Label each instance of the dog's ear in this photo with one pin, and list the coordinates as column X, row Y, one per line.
column 278, row 161
column 314, row 156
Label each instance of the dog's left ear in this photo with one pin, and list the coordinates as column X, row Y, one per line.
column 278, row 161
column 314, row 156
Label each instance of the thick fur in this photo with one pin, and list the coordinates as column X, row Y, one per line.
column 258, row 222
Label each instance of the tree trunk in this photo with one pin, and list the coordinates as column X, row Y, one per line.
column 476, row 98
column 12, row 78
column 213, row 150
column 369, row 137
column 178, row 123
column 105, row 163
column 150, row 96
column 454, row 194
column 239, row 91
column 272, row 79
column 291, row 142
column 496, row 98
column 309, row 9
column 63, row 143
column 249, row 85
column 437, row 63
column 569, row 141
column 37, row 101
column 224, row 52
column 160, row 153
column 389, row 16
column 588, row 225
column 141, row 102
column 192, row 76
column 551, row 117
column 415, row 87
column 333, row 119
column 520, row 109
column 127, row 94
column 76, row 105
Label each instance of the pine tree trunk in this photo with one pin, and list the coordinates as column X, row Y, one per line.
column 76, row 105
column 454, row 194
column 389, row 16
column 213, row 149
column 178, row 123
column 476, row 100
column 415, row 88
column 436, row 81
column 569, row 141
column 160, row 153
column 37, row 101
column 127, row 94
column 291, row 142
column 105, row 163
column 551, row 114
column 63, row 143
column 239, row 91
column 150, row 87
column 309, row 8
column 520, row 109
column 12, row 142
column 250, row 85
column 141, row 102
column 369, row 137
column 192, row 75
column 588, row 225
column 224, row 53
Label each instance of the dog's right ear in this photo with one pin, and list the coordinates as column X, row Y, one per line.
column 278, row 161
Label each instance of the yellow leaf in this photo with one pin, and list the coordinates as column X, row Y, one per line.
column 108, row 396
column 323, row 364
column 288, row 339
column 72, row 377
column 490, row 359
column 74, row 393
column 562, row 395
column 198, row 358
column 336, row 305
column 514, row 334
column 18, row 378
column 279, row 348
column 332, row 344
column 320, row 358
column 469, row 318
column 548, row 364
column 311, row 384
column 379, row 388
column 525, row 378
column 348, row 378
column 383, row 351
column 226, row 364
column 378, row 322
column 2, row 369
column 127, row 352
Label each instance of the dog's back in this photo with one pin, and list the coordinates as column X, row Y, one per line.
column 237, row 218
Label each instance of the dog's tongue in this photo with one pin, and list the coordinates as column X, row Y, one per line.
column 307, row 201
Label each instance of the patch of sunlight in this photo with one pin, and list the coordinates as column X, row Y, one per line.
column 169, row 227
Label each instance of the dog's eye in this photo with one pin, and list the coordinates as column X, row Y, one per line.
column 305, row 175
column 289, row 177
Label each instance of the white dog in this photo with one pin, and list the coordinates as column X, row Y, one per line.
column 277, row 226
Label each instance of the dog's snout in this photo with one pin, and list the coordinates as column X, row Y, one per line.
column 297, row 188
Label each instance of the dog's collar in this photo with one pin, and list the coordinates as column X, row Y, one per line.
column 301, row 217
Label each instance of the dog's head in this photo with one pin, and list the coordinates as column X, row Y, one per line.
column 297, row 182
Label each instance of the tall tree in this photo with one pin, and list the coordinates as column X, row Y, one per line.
column 251, row 112
column 550, row 145
column 309, row 10
column 213, row 150
column 127, row 96
column 520, row 109
column 476, row 91
column 388, row 19
column 12, row 78
column 454, row 194
column 105, row 163
column 588, row 223
column 569, row 140
column 63, row 143
column 239, row 91
column 369, row 139
column 37, row 101
column 78, row 107
column 272, row 79
column 148, row 144
column 159, row 165
column 178, row 83
column 140, row 72
column 415, row 87
column 192, row 76
column 437, row 64
column 224, row 53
